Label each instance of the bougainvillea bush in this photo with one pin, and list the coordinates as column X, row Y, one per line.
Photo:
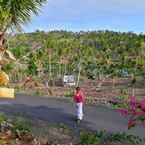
column 135, row 110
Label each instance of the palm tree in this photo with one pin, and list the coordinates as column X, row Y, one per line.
column 14, row 13
column 80, row 54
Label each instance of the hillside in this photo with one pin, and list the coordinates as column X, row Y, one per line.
column 93, row 55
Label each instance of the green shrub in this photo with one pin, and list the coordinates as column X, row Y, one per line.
column 2, row 118
column 68, row 94
column 21, row 125
column 38, row 93
column 87, row 138
column 102, row 137
column 89, row 99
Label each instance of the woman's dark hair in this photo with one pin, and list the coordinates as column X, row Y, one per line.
column 78, row 88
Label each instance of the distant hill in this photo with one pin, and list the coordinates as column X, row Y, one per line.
column 60, row 52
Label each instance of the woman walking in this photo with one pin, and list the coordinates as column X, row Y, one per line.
column 79, row 101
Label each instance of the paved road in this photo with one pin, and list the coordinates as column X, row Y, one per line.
column 62, row 111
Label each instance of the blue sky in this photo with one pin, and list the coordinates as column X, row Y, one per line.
column 76, row 15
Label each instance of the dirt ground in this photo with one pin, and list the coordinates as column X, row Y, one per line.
column 91, row 88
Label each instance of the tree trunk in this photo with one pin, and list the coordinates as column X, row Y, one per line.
column 65, row 69
column 100, row 84
column 59, row 70
column 113, row 82
column 1, row 39
column 50, row 67
column 79, row 73
column 1, row 46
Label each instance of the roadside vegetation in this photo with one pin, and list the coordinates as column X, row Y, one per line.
column 18, row 130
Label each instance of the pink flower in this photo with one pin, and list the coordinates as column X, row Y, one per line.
column 142, row 103
column 133, row 102
column 124, row 112
column 94, row 100
column 138, row 113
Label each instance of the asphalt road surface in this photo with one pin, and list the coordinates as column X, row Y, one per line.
column 62, row 111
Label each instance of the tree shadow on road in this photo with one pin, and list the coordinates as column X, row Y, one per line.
column 44, row 114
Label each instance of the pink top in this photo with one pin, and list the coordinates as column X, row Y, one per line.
column 78, row 97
